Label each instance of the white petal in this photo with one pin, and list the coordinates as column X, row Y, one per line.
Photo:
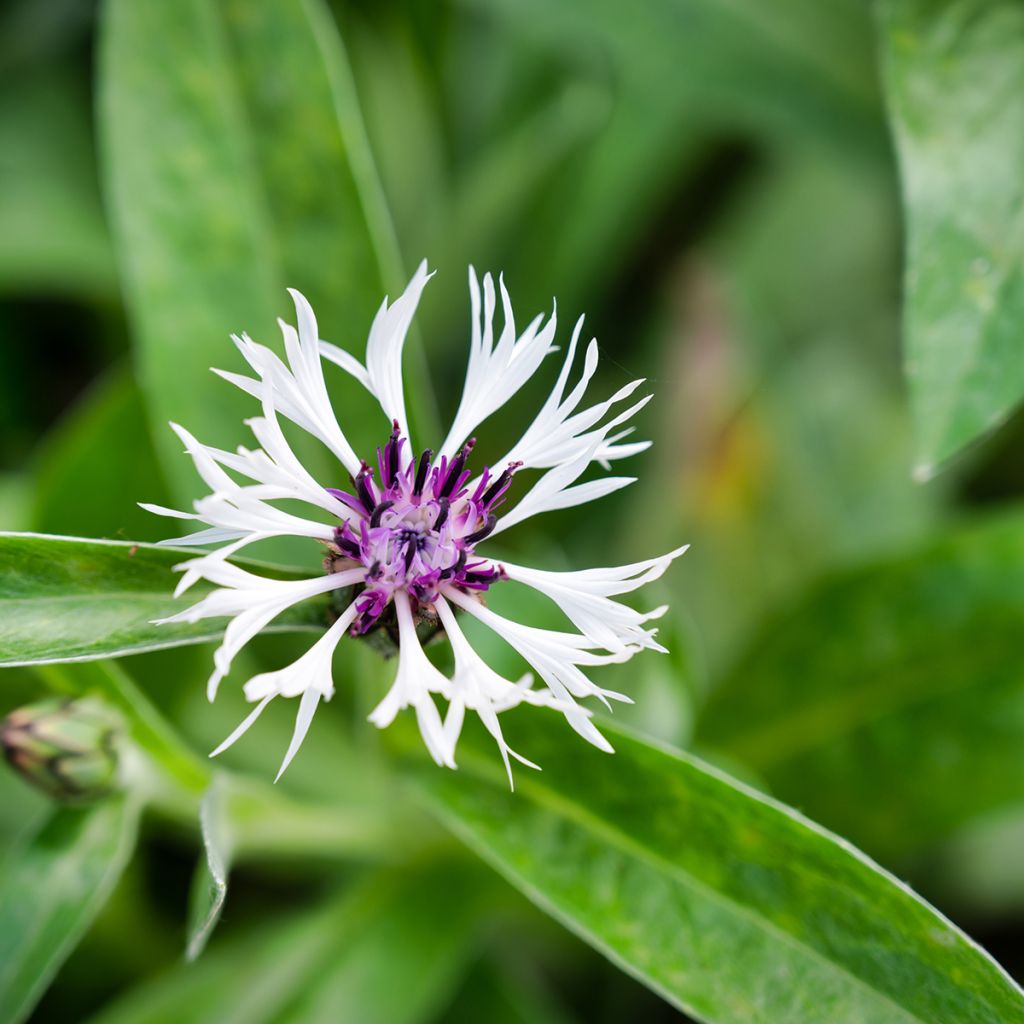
column 303, row 719
column 556, row 657
column 495, row 371
column 587, row 602
column 244, row 727
column 414, row 682
column 386, row 343
column 311, row 671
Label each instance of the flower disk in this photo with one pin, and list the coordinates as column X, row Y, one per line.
column 403, row 541
column 418, row 532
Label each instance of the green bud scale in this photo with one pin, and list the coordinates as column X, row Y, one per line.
column 66, row 748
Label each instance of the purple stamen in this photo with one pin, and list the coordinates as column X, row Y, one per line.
column 422, row 471
column 498, row 488
column 378, row 512
column 364, row 488
column 418, row 533
column 443, row 507
column 484, row 531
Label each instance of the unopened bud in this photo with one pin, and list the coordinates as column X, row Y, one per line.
column 67, row 748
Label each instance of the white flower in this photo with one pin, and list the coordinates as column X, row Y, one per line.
column 405, row 545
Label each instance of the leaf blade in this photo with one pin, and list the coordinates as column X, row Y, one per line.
column 210, row 883
column 73, row 599
column 875, row 698
column 731, row 906
column 954, row 83
column 50, row 891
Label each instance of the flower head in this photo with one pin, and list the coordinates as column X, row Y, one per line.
column 406, row 541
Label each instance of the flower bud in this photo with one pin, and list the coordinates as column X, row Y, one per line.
column 67, row 748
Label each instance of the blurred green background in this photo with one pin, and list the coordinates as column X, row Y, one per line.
column 715, row 185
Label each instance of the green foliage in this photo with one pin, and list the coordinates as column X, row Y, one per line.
column 52, row 231
column 52, row 885
column 956, row 92
column 375, row 955
column 68, row 599
column 710, row 181
column 190, row 113
column 75, row 476
column 886, row 703
column 715, row 897
column 210, row 882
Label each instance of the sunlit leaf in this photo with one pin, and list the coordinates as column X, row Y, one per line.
column 70, row 599
column 956, row 96
column 731, row 906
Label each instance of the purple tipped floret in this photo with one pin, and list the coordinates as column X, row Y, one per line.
column 419, row 532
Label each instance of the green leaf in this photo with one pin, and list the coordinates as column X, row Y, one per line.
column 886, row 703
column 210, row 883
column 386, row 952
column 51, row 888
column 731, row 906
column 226, row 185
column 955, row 76
column 70, row 599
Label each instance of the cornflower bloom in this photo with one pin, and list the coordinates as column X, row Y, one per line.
column 405, row 542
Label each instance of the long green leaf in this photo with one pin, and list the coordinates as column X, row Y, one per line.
column 731, row 906
column 70, row 599
column 51, row 888
column 956, row 98
column 229, row 181
column 386, row 952
column 886, row 702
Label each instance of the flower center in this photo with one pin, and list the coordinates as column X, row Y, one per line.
column 417, row 530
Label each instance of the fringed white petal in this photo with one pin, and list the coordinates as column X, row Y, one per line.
column 556, row 658
column 588, row 603
column 414, row 683
column 554, row 489
column 496, row 371
column 298, row 389
column 479, row 688
column 310, row 676
column 386, row 344
column 559, row 434
column 252, row 602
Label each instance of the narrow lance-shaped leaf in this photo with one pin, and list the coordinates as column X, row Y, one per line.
column 70, row 599
column 955, row 77
column 235, row 165
column 886, row 701
column 733, row 907
column 210, row 882
column 51, row 887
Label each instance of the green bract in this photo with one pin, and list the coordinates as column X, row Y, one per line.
column 66, row 748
